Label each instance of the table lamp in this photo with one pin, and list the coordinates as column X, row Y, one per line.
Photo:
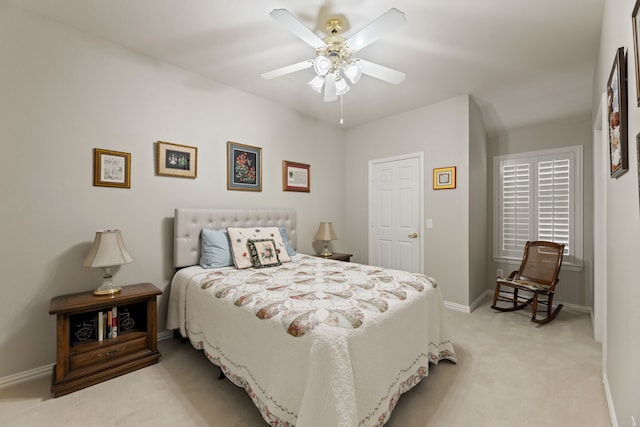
column 107, row 251
column 325, row 233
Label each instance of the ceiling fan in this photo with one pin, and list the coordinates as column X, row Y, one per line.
column 334, row 64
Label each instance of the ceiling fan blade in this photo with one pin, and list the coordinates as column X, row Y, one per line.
column 287, row 69
column 388, row 21
column 291, row 23
column 330, row 88
column 381, row 72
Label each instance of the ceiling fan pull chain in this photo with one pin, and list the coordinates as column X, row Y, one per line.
column 341, row 119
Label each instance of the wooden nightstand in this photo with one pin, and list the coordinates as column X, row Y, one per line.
column 84, row 355
column 337, row 257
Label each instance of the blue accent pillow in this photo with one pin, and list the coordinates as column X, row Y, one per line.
column 285, row 240
column 215, row 252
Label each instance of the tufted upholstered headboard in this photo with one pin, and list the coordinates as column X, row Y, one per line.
column 188, row 223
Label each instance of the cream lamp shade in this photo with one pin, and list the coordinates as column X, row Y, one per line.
column 107, row 251
column 325, row 233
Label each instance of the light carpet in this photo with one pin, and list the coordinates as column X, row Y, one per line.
column 510, row 372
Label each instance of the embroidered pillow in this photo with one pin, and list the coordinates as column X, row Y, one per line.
column 215, row 250
column 263, row 253
column 239, row 238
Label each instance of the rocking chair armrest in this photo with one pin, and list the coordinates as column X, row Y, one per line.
column 513, row 275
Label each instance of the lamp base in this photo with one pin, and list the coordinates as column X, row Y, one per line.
column 107, row 291
column 326, row 252
column 107, row 287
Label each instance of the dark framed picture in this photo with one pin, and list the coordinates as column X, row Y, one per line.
column 296, row 176
column 636, row 33
column 617, row 115
column 444, row 178
column 244, row 167
column 111, row 168
column 177, row 160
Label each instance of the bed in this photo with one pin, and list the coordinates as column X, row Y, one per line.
column 314, row 342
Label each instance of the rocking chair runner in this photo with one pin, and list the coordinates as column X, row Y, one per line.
column 538, row 274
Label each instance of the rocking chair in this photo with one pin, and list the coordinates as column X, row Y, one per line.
column 538, row 275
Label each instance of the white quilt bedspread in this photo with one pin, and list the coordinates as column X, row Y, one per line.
column 315, row 342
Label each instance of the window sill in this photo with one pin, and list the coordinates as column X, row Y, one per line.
column 565, row 265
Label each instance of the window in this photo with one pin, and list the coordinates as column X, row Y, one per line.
column 538, row 196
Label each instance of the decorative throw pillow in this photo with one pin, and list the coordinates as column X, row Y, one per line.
column 215, row 250
column 285, row 239
column 239, row 237
column 263, row 253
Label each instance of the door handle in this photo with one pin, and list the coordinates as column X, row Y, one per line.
column 413, row 236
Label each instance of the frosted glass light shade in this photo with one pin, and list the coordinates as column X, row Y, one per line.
column 316, row 84
column 321, row 65
column 341, row 87
column 353, row 72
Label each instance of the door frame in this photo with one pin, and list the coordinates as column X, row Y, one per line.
column 420, row 157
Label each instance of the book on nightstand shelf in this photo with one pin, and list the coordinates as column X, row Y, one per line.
column 114, row 322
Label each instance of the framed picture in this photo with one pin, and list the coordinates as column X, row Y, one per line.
column 444, row 178
column 111, row 168
column 636, row 43
column 617, row 115
column 177, row 160
column 244, row 167
column 296, row 176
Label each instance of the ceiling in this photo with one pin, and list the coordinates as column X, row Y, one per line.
column 524, row 62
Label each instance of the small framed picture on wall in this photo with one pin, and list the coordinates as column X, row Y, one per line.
column 177, row 160
column 111, row 168
column 444, row 178
column 296, row 176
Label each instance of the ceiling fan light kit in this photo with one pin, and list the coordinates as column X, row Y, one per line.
column 333, row 64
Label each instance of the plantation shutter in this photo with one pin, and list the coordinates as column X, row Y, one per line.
column 538, row 196
column 554, row 201
column 516, row 205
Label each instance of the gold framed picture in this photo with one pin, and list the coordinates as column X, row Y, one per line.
column 177, row 160
column 111, row 168
column 444, row 178
column 296, row 176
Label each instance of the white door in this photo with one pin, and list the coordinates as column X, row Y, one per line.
column 395, row 213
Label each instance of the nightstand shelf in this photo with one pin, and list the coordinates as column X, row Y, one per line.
column 338, row 257
column 84, row 355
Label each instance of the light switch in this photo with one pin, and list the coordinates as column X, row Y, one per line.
column 429, row 223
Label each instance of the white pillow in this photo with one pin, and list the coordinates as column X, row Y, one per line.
column 239, row 237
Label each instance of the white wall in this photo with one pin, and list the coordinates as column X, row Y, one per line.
column 478, row 234
column 63, row 93
column 441, row 132
column 576, row 287
column 622, row 229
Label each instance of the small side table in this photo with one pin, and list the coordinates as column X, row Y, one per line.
column 87, row 356
column 338, row 257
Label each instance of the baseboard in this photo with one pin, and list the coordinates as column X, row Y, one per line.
column 575, row 307
column 32, row 374
column 479, row 300
column 466, row 308
column 489, row 293
column 612, row 411
column 457, row 307
column 25, row 376
column 166, row 335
